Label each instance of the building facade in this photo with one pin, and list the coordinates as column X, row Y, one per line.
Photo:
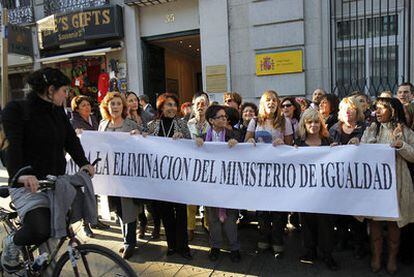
column 248, row 46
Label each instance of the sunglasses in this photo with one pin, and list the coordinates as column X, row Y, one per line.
column 286, row 105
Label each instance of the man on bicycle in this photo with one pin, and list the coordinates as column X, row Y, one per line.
column 39, row 133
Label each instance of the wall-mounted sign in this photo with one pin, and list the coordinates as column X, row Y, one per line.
column 216, row 78
column 20, row 40
column 279, row 63
column 97, row 23
column 169, row 18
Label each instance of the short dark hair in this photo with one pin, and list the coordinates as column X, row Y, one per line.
column 233, row 115
column 198, row 94
column 251, row 105
column 42, row 79
column 234, row 96
column 144, row 98
column 408, row 84
column 162, row 98
column 212, row 111
column 333, row 101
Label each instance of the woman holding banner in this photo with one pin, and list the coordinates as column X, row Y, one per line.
column 173, row 215
column 391, row 128
column 114, row 114
column 349, row 130
column 318, row 229
column 198, row 128
column 220, row 219
column 270, row 127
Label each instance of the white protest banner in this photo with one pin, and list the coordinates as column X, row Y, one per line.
column 353, row 180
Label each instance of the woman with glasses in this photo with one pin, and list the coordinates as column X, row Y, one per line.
column 248, row 112
column 271, row 127
column 219, row 219
column 173, row 215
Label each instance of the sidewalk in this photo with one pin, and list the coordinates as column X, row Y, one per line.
column 150, row 259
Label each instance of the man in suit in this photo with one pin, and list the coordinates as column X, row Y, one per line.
column 146, row 106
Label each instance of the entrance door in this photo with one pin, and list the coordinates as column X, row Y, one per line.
column 153, row 71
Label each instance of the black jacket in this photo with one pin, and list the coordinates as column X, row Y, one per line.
column 41, row 140
column 336, row 133
column 78, row 122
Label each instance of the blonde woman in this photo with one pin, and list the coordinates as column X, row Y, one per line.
column 349, row 130
column 317, row 229
column 271, row 127
column 114, row 112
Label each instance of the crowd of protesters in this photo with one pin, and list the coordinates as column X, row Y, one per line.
column 296, row 121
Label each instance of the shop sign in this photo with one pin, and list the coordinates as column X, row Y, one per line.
column 279, row 63
column 20, row 40
column 88, row 24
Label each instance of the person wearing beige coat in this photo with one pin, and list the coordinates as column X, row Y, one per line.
column 391, row 129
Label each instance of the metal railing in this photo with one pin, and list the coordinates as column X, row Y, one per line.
column 370, row 45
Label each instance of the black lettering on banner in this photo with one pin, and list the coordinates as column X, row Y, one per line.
column 312, row 177
column 367, row 176
column 276, row 175
column 117, row 156
column 386, row 169
column 303, row 175
column 291, row 181
column 163, row 177
column 155, row 171
column 377, row 178
column 176, row 169
column 197, row 170
column 187, row 164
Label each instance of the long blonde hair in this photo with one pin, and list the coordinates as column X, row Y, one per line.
column 311, row 114
column 278, row 118
column 353, row 103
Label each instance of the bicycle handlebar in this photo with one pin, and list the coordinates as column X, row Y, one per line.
column 47, row 183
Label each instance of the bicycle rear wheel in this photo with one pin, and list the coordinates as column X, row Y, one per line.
column 94, row 260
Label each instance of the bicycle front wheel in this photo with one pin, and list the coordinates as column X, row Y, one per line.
column 94, row 260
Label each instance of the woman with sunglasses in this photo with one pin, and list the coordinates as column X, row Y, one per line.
column 271, row 127
column 291, row 110
column 173, row 215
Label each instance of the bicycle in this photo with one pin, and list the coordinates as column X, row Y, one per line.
column 79, row 259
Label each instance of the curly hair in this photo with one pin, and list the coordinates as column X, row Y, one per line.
column 104, row 107
column 77, row 100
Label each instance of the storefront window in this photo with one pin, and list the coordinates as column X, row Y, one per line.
column 57, row 6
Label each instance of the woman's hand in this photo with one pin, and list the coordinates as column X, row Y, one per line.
column 232, row 142
column 78, row 131
column 278, row 141
column 397, row 144
column 354, row 141
column 135, row 132
column 333, row 144
column 199, row 142
column 251, row 140
column 177, row 135
column 30, row 182
column 89, row 168
column 144, row 134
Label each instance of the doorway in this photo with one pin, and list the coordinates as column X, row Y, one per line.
column 172, row 64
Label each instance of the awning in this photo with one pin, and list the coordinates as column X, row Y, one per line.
column 65, row 57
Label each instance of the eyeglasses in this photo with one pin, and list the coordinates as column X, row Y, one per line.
column 287, row 105
column 171, row 105
column 221, row 117
column 228, row 100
